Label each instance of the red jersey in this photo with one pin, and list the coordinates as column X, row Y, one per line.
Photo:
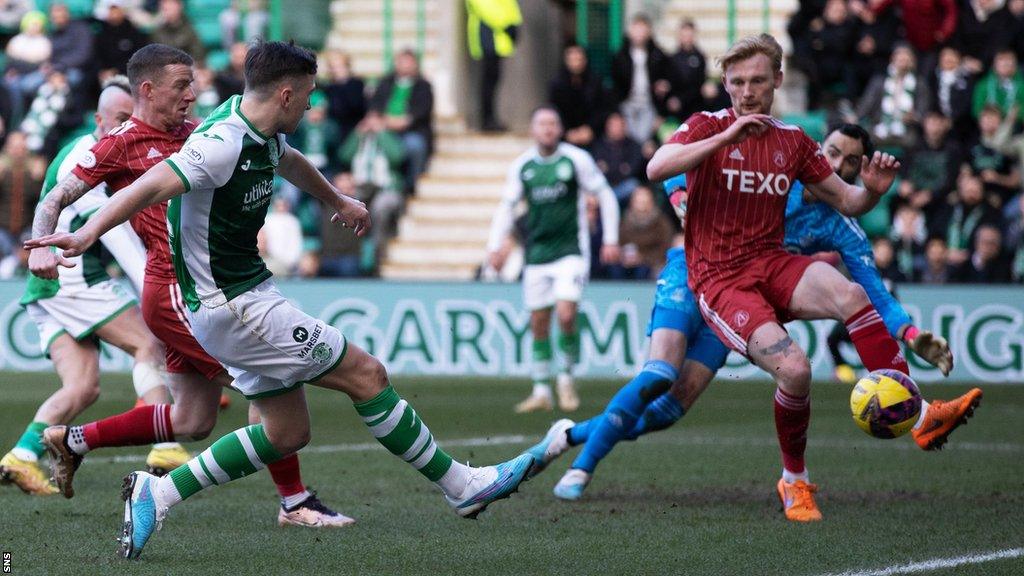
column 119, row 159
column 737, row 196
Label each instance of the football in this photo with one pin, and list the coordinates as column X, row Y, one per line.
column 885, row 403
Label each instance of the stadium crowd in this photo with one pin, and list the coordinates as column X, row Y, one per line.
column 937, row 82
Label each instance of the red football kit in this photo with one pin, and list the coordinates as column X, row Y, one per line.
column 737, row 267
column 118, row 159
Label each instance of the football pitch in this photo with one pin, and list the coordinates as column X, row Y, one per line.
column 696, row 499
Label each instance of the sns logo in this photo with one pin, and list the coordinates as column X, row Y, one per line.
column 756, row 183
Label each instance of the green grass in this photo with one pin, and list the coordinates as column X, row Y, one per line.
column 696, row 499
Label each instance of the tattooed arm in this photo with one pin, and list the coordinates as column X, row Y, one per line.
column 43, row 262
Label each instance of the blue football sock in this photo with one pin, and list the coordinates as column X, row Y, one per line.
column 660, row 414
column 623, row 412
column 580, row 431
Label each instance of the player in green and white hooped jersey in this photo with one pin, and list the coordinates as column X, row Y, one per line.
column 82, row 304
column 220, row 183
column 551, row 178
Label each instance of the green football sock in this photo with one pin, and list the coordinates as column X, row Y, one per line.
column 240, row 453
column 569, row 346
column 32, row 439
column 394, row 423
column 541, row 368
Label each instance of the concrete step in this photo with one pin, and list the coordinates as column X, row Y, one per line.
column 413, row 230
column 421, row 253
column 374, row 23
column 508, row 147
column 472, row 167
column 442, row 189
column 399, row 8
column 428, row 271
column 450, row 212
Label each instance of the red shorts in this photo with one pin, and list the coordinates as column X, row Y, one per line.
column 738, row 304
column 163, row 310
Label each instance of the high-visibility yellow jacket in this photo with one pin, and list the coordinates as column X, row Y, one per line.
column 498, row 16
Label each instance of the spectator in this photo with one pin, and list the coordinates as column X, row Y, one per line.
column 48, row 106
column 174, row 29
column 207, row 98
column 886, row 262
column 72, row 45
column 936, row 265
column 689, row 72
column 959, row 222
column 645, row 234
column 244, row 20
column 619, row 158
column 908, row 235
column 11, row 13
column 1014, row 243
column 406, row 100
column 231, row 80
column 346, row 94
column 928, row 24
column 831, row 41
column 987, row 263
column 950, row 87
column 21, row 178
column 374, row 155
column 117, row 39
column 873, row 44
column 998, row 172
column 893, row 100
column 280, row 240
column 28, row 56
column 493, row 26
column 1015, row 14
column 596, row 230
column 339, row 248
column 640, row 74
column 931, row 168
column 579, row 97
column 983, row 28
column 1002, row 87
column 317, row 135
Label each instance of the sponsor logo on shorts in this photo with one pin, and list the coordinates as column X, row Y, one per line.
column 300, row 334
column 310, row 340
column 322, row 353
column 741, row 318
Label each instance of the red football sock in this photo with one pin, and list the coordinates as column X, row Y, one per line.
column 136, row 427
column 287, row 476
column 876, row 347
column 792, row 416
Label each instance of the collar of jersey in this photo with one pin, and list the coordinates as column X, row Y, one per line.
column 237, row 107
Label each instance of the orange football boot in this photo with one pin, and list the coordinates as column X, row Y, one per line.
column 943, row 417
column 798, row 501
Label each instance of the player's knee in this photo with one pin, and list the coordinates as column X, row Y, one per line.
column 795, row 374
column 372, row 377
column 87, row 394
column 149, row 350
column 851, row 298
column 289, row 440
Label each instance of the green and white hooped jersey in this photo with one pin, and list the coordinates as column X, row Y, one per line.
column 120, row 243
column 556, row 218
column 227, row 167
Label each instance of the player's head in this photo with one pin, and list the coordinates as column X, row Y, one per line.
column 283, row 75
column 752, row 71
column 844, row 148
column 161, row 80
column 546, row 127
column 115, row 104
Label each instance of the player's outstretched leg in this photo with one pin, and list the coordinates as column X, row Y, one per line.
column 618, row 419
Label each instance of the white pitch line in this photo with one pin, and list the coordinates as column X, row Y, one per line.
column 360, row 447
column 938, row 563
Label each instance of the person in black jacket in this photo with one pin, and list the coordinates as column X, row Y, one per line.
column 983, row 27
column 346, row 94
column 406, row 100
column 72, row 44
column 950, row 91
column 619, row 158
column 832, row 40
column 689, row 71
column 876, row 35
column 579, row 97
column 117, row 40
column 640, row 74
column 987, row 263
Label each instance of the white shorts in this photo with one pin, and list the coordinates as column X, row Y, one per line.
column 78, row 313
column 268, row 346
column 563, row 279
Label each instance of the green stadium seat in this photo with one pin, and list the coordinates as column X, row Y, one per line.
column 78, row 8
column 813, row 122
column 217, row 60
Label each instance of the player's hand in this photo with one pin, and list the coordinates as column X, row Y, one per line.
column 678, row 202
column 879, row 172
column 43, row 262
column 353, row 214
column 72, row 243
column 497, row 259
column 610, row 254
column 746, row 126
